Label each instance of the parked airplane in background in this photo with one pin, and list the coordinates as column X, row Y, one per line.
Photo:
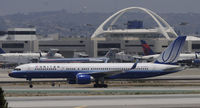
column 22, row 58
column 85, row 73
column 189, row 59
column 108, row 57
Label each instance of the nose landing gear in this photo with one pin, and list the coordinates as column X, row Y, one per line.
column 30, row 82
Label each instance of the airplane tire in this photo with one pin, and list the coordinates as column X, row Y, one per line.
column 96, row 85
column 31, row 86
column 100, row 85
column 53, row 84
column 105, row 85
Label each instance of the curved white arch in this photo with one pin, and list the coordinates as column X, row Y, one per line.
column 118, row 14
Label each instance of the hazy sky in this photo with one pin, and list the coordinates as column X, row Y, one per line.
column 74, row 6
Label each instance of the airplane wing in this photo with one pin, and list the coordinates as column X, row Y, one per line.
column 109, row 73
column 104, row 73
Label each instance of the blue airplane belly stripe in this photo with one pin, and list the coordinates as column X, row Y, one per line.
column 72, row 74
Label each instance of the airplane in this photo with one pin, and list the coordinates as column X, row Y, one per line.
column 86, row 73
column 22, row 58
column 108, row 57
column 189, row 59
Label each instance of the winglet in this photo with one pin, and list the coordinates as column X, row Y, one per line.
column 135, row 64
column 2, row 51
column 52, row 52
column 111, row 52
column 171, row 53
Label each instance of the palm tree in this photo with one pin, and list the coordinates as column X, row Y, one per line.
column 3, row 103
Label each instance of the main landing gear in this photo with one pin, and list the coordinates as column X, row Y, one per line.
column 30, row 82
column 31, row 85
column 102, row 85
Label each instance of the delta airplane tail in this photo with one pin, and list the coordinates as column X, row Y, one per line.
column 146, row 48
column 2, row 51
column 171, row 53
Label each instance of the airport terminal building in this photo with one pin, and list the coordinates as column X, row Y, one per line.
column 127, row 40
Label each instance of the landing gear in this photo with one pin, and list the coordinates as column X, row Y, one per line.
column 53, row 84
column 31, row 86
column 102, row 85
column 30, row 83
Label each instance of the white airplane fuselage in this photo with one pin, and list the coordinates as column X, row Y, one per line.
column 181, row 57
column 70, row 70
column 22, row 58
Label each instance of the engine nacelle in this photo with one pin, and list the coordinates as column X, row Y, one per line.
column 71, row 81
column 84, row 79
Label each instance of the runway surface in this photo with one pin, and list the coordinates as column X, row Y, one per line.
column 117, row 101
column 60, row 94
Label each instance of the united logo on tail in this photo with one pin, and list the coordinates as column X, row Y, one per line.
column 171, row 53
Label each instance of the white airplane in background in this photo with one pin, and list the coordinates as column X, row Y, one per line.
column 149, row 55
column 109, row 57
column 22, row 58
column 85, row 73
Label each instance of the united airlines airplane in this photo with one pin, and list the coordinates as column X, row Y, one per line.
column 85, row 73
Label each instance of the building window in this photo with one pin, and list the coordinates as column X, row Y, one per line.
column 195, row 46
column 108, row 45
column 21, row 32
column 132, row 45
column 164, row 46
column 61, row 45
column 16, row 51
column 126, row 41
column 102, row 53
column 13, row 45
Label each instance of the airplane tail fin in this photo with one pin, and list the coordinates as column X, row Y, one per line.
column 171, row 53
column 146, row 48
column 111, row 53
column 52, row 52
column 2, row 51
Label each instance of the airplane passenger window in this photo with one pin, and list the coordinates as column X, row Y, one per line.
column 17, row 69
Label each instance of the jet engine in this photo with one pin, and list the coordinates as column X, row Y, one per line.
column 84, row 79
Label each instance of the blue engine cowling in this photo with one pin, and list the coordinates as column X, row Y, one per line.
column 84, row 79
column 72, row 81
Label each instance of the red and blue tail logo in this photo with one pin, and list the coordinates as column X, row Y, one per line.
column 146, row 48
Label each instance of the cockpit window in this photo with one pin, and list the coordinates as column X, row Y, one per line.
column 17, row 69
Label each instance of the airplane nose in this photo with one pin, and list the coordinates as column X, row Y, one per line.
column 10, row 74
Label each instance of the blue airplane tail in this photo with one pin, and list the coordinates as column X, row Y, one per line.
column 146, row 48
column 171, row 53
column 2, row 51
